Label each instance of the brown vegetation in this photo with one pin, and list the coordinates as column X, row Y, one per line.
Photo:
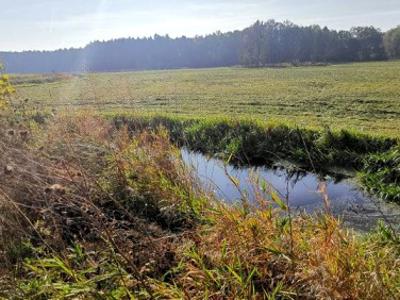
column 91, row 212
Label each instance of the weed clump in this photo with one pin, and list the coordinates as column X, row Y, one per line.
column 381, row 174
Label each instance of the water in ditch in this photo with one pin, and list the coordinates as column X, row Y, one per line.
column 304, row 191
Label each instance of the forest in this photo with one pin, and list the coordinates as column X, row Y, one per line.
column 262, row 44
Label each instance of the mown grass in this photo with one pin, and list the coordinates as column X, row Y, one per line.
column 363, row 96
column 92, row 212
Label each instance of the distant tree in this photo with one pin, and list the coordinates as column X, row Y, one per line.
column 370, row 43
column 392, row 42
column 254, row 45
column 5, row 89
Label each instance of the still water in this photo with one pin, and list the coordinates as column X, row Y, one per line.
column 302, row 190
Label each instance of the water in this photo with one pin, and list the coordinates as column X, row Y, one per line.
column 302, row 190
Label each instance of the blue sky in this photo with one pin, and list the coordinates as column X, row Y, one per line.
column 52, row 24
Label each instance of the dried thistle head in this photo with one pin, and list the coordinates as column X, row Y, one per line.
column 56, row 189
column 8, row 170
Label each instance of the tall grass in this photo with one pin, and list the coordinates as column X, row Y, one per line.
column 264, row 256
column 79, row 183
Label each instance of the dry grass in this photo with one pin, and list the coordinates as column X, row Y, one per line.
column 80, row 182
column 263, row 256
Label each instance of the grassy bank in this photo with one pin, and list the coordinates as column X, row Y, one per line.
column 91, row 212
column 254, row 142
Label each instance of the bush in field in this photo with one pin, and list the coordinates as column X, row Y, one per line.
column 5, row 89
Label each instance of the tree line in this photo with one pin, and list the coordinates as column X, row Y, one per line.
column 262, row 44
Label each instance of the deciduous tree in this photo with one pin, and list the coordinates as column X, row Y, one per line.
column 392, row 42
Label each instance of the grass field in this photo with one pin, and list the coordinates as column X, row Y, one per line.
column 364, row 96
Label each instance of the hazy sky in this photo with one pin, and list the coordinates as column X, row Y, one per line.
column 51, row 24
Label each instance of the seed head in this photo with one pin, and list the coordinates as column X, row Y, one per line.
column 8, row 170
column 56, row 189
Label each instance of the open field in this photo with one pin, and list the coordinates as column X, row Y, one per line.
column 363, row 96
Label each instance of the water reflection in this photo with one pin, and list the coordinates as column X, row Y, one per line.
column 303, row 191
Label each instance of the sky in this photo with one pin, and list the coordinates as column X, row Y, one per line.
column 54, row 24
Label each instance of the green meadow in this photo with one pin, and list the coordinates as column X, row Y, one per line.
column 360, row 96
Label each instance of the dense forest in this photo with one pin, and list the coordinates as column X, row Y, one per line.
column 262, row 44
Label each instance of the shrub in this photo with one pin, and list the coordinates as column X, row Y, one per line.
column 5, row 89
